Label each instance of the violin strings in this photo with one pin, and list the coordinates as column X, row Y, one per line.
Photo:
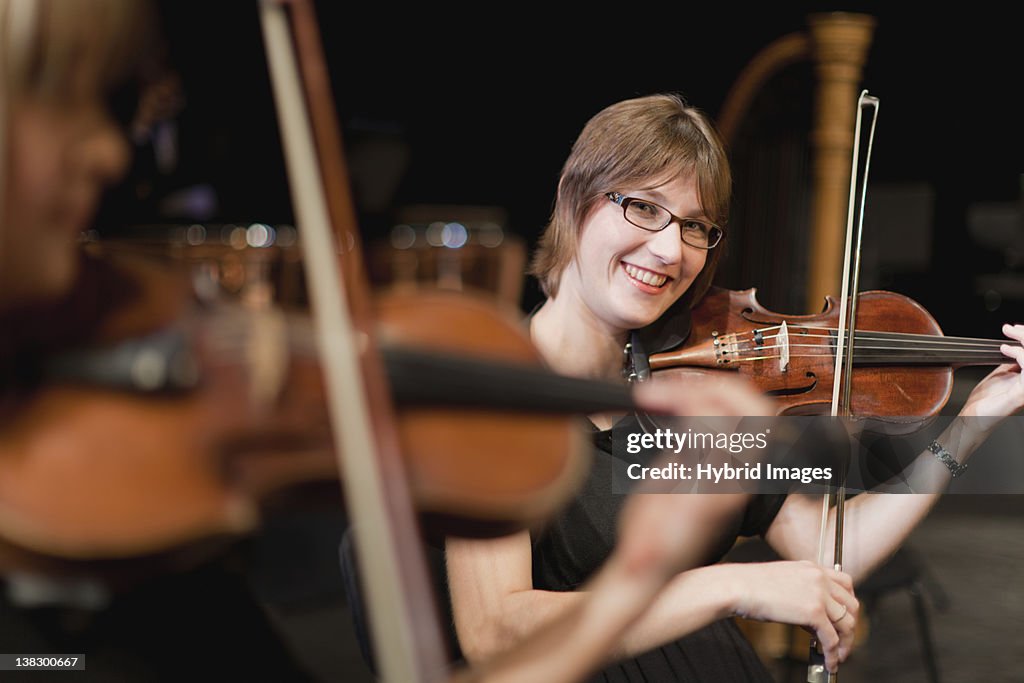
column 796, row 325
column 827, row 351
column 876, row 334
column 894, row 345
column 905, row 340
column 863, row 352
column 861, row 359
column 923, row 344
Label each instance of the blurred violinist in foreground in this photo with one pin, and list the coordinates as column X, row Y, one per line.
column 71, row 78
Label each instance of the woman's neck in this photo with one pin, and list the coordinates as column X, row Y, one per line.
column 574, row 342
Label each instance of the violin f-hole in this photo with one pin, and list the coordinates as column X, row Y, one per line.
column 795, row 391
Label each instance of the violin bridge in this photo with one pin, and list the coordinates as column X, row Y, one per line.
column 782, row 340
column 726, row 348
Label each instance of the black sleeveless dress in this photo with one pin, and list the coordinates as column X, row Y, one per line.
column 575, row 544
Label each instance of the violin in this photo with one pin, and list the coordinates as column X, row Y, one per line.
column 902, row 363
column 100, row 463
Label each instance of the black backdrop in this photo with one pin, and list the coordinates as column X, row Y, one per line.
column 484, row 104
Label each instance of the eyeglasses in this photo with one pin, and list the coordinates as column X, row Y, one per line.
column 653, row 217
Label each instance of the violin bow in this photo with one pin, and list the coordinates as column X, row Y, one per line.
column 842, row 384
column 403, row 615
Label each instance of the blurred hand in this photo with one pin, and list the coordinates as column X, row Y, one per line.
column 702, row 393
column 649, row 538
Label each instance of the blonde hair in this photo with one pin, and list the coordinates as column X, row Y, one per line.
column 643, row 142
column 52, row 49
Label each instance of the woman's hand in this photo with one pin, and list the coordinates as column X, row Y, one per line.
column 1001, row 393
column 805, row 594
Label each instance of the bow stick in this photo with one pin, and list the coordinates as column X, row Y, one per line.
column 404, row 624
column 842, row 385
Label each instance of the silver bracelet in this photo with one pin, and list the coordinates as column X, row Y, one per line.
column 955, row 468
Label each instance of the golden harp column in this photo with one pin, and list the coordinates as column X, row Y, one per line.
column 839, row 44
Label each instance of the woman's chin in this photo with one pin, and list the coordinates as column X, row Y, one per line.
column 636, row 317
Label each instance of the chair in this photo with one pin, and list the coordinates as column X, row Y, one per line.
column 906, row 570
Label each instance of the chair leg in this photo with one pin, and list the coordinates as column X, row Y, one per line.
column 927, row 648
column 940, row 599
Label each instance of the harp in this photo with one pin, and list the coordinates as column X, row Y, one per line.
column 791, row 188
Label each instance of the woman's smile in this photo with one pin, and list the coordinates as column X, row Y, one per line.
column 645, row 280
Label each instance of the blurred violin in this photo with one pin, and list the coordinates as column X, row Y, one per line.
column 159, row 424
column 154, row 425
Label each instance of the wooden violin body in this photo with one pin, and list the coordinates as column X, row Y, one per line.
column 90, row 472
column 902, row 363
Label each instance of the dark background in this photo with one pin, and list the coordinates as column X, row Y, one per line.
column 481, row 107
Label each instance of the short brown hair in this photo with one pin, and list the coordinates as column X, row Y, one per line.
column 647, row 140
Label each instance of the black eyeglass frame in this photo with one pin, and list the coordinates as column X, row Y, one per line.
column 714, row 230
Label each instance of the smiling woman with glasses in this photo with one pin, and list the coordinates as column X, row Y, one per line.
column 610, row 264
column 614, row 273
